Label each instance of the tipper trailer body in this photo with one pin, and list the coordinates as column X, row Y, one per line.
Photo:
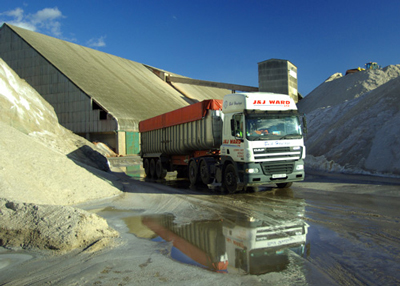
column 245, row 140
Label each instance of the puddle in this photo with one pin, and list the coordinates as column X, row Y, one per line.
column 267, row 236
column 236, row 244
column 8, row 259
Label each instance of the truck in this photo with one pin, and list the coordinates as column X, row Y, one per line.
column 239, row 244
column 258, row 247
column 238, row 143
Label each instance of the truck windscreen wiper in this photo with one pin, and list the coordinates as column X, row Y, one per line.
column 287, row 136
column 264, row 137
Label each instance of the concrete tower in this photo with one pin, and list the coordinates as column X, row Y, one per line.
column 278, row 76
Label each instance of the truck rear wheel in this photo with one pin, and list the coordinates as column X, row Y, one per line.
column 161, row 172
column 193, row 173
column 146, row 167
column 284, row 185
column 152, row 168
column 230, row 181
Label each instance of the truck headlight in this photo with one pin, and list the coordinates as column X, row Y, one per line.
column 299, row 167
column 252, row 170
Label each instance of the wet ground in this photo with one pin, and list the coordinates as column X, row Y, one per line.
column 328, row 230
column 346, row 227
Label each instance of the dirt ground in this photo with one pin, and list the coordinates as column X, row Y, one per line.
column 130, row 258
column 353, row 225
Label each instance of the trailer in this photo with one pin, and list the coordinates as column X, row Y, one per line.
column 244, row 141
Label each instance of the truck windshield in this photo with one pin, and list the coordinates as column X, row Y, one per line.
column 272, row 126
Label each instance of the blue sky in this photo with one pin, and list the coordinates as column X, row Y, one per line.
column 222, row 40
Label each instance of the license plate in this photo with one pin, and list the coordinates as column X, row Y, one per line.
column 277, row 176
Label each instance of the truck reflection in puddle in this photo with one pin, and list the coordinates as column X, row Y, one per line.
column 234, row 244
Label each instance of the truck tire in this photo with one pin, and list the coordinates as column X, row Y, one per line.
column 205, row 172
column 193, row 173
column 284, row 185
column 161, row 172
column 152, row 168
column 146, row 167
column 230, row 179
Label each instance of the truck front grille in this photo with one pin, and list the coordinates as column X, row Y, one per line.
column 277, row 153
column 278, row 233
column 277, row 150
column 277, row 168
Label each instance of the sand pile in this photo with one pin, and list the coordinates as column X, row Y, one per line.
column 47, row 165
column 61, row 228
column 354, row 123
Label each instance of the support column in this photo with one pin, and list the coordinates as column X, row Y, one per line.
column 121, row 143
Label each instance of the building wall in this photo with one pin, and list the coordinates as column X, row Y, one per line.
column 278, row 76
column 292, row 82
column 74, row 108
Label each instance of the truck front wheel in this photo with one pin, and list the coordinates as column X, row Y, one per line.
column 230, row 181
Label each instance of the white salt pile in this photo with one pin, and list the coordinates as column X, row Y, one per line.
column 354, row 123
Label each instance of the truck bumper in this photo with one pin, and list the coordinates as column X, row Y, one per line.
column 254, row 174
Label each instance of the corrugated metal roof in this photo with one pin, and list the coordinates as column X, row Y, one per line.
column 194, row 92
column 126, row 89
column 200, row 93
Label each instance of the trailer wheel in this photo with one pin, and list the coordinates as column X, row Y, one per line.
column 284, row 185
column 146, row 167
column 160, row 170
column 205, row 172
column 230, row 181
column 152, row 168
column 193, row 173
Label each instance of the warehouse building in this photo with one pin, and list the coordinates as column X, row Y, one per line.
column 99, row 96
